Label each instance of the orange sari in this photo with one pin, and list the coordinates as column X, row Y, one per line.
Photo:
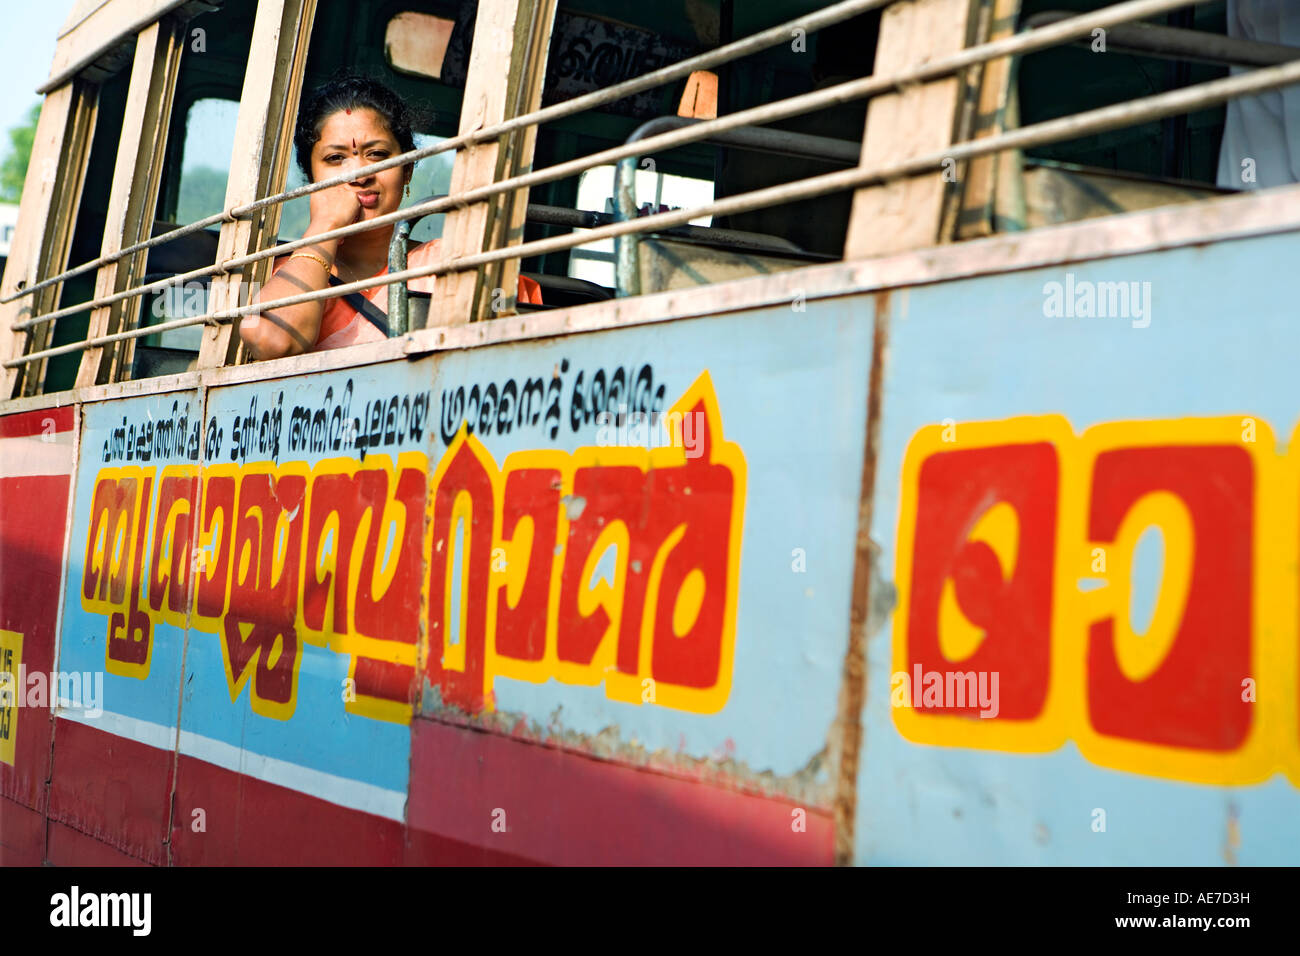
column 341, row 325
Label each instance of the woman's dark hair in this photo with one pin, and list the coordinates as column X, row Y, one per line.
column 350, row 91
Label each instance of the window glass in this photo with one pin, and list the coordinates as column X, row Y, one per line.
column 205, row 159
column 205, row 167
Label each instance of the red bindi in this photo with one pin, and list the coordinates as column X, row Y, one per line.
column 349, row 112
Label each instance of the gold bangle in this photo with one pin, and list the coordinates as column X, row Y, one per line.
column 310, row 255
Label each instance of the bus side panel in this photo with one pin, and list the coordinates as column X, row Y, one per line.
column 122, row 637
column 474, row 516
column 1086, row 501
column 295, row 741
column 655, row 635
column 36, row 463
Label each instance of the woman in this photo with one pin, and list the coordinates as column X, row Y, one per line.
column 348, row 123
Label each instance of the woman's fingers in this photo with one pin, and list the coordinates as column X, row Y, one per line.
column 336, row 206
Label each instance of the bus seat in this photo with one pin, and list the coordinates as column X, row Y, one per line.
column 675, row 263
column 1057, row 192
column 558, row 292
column 564, row 292
column 150, row 361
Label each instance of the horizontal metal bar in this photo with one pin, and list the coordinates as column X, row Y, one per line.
column 1187, row 99
column 1174, row 43
column 752, row 44
column 760, row 139
column 808, row 102
column 733, row 238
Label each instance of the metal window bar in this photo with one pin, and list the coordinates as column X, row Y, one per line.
column 627, row 278
column 756, row 138
column 1139, row 111
column 866, row 87
column 398, row 297
column 1183, row 45
column 1094, row 121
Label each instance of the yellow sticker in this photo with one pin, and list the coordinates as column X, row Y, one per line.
column 11, row 657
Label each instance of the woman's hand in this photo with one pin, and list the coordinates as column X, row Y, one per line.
column 334, row 208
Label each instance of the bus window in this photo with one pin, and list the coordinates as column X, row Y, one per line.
column 199, row 147
column 200, row 192
column 59, row 372
column 655, row 192
column 1135, row 167
column 597, row 43
column 205, row 158
column 415, row 72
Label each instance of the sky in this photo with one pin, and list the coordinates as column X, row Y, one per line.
column 27, row 50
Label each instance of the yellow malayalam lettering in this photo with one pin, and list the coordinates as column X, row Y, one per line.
column 456, row 573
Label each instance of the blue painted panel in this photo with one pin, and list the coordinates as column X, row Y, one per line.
column 1213, row 338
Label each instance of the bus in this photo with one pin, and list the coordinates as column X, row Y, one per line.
column 898, row 467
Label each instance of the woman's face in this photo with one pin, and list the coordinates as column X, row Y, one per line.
column 356, row 138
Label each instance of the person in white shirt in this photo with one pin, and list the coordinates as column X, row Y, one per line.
column 1261, row 137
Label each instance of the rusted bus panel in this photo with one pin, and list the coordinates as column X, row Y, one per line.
column 36, row 463
column 110, row 788
column 561, row 806
column 67, row 846
column 1086, row 504
column 757, row 509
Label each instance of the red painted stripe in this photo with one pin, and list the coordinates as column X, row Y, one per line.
column 22, row 835
column 115, row 789
column 559, row 808
column 34, row 423
column 32, row 514
column 568, row 809
column 250, row 822
column 70, row 847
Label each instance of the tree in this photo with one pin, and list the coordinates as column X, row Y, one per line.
column 13, row 172
column 202, row 193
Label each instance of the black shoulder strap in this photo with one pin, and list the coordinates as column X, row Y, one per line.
column 369, row 311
